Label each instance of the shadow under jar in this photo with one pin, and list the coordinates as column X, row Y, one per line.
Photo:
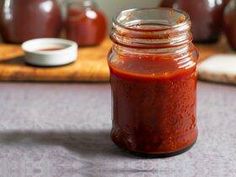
column 153, row 80
column 22, row 20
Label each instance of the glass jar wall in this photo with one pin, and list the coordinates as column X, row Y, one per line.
column 153, row 81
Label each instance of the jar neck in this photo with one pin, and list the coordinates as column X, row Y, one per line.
column 160, row 30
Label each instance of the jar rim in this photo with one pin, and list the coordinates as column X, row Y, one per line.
column 151, row 28
column 184, row 18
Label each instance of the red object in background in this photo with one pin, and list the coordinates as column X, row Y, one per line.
column 167, row 3
column 170, row 3
column 230, row 23
column 153, row 85
column 85, row 24
column 206, row 17
column 28, row 19
column 226, row 2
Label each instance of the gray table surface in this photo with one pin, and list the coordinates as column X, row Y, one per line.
column 62, row 130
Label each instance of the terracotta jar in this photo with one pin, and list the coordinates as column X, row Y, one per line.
column 230, row 23
column 167, row 3
column 206, row 17
column 1, row 3
column 226, row 2
column 28, row 19
column 153, row 80
column 85, row 24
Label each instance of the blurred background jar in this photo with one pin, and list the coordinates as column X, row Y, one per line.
column 226, row 2
column 167, row 3
column 21, row 20
column 1, row 5
column 206, row 17
column 85, row 24
column 230, row 23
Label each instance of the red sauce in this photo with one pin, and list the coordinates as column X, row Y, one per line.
column 86, row 26
column 153, row 87
column 230, row 24
column 28, row 19
column 51, row 49
column 153, row 113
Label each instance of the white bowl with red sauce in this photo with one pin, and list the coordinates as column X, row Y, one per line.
column 50, row 52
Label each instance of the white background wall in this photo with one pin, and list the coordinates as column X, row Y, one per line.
column 112, row 7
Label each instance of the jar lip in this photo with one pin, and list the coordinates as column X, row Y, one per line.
column 181, row 23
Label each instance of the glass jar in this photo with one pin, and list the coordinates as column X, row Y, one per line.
column 85, row 23
column 153, row 81
column 230, row 23
column 206, row 17
column 28, row 19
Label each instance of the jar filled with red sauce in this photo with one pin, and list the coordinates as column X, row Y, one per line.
column 153, row 81
column 230, row 23
column 85, row 23
column 206, row 17
column 22, row 20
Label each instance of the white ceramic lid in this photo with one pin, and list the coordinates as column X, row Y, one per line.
column 50, row 51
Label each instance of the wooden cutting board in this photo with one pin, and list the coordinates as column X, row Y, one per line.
column 91, row 65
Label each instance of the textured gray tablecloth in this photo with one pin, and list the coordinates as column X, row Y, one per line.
column 62, row 130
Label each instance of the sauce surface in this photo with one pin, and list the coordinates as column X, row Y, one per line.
column 51, row 49
column 154, row 104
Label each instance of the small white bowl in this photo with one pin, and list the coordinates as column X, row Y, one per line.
column 50, row 51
